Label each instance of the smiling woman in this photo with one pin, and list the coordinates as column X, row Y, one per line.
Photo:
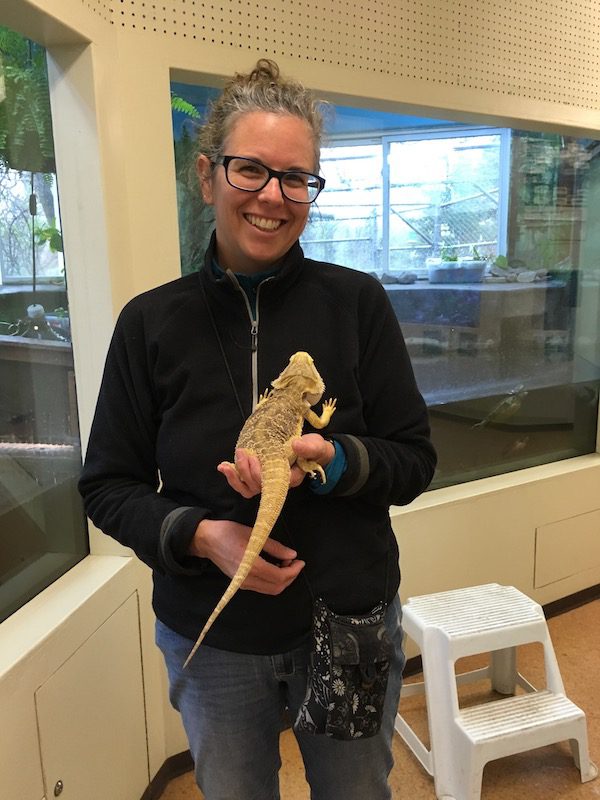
column 185, row 368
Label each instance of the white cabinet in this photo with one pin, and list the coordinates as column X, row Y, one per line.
column 91, row 718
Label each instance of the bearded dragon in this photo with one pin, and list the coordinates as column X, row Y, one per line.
column 268, row 434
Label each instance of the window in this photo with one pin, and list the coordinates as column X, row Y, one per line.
column 346, row 225
column 30, row 239
column 446, row 194
column 42, row 525
column 484, row 241
column 402, row 199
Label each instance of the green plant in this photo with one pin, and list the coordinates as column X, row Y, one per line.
column 448, row 255
column 50, row 235
column 26, row 141
column 27, row 147
column 184, row 106
column 476, row 255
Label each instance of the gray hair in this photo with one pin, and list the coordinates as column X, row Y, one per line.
column 262, row 89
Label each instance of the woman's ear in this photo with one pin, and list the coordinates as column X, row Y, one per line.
column 204, row 170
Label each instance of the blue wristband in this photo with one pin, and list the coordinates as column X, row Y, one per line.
column 333, row 471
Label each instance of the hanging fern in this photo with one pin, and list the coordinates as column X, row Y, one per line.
column 184, row 106
column 26, row 141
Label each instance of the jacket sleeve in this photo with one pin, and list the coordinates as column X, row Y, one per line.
column 120, row 478
column 395, row 460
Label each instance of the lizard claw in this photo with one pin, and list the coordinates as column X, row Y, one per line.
column 264, row 396
column 318, row 471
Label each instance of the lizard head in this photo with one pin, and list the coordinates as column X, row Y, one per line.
column 302, row 374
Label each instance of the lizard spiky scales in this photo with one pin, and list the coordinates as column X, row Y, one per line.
column 268, row 434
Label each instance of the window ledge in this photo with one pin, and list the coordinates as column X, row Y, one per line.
column 96, row 584
column 497, row 483
column 41, row 287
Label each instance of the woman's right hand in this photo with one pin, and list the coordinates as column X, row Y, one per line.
column 224, row 543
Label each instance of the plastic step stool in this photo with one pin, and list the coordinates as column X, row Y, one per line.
column 485, row 619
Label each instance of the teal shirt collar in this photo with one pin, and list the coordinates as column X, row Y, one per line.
column 249, row 283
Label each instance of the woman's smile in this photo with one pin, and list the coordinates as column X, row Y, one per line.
column 264, row 224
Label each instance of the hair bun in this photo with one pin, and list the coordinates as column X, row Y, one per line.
column 262, row 89
column 265, row 70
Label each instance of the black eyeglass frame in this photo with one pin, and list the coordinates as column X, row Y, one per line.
column 271, row 173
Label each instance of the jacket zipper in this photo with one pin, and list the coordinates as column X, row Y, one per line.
column 254, row 336
column 254, row 318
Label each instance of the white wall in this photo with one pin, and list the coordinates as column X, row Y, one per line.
column 110, row 72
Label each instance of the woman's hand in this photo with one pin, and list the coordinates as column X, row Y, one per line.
column 224, row 543
column 245, row 477
column 312, row 447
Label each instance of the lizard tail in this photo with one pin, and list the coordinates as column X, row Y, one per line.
column 275, row 484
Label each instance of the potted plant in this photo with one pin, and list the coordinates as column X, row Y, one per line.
column 472, row 267
column 444, row 268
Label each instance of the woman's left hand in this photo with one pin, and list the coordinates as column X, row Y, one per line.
column 245, row 477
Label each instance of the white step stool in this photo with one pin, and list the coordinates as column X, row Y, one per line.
column 481, row 619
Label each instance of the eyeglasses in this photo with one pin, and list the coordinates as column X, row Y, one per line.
column 252, row 176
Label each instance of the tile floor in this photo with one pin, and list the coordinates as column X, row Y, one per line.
column 544, row 774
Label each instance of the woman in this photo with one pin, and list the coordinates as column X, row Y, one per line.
column 186, row 364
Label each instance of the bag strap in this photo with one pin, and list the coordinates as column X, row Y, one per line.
column 222, row 349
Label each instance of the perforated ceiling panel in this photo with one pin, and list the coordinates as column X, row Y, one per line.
column 538, row 49
column 104, row 8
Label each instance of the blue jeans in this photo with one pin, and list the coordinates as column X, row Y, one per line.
column 233, row 704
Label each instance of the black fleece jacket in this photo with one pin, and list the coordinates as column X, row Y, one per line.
column 167, row 414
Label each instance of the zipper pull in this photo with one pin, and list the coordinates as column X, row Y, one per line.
column 254, row 335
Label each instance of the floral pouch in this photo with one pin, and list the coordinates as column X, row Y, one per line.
column 348, row 674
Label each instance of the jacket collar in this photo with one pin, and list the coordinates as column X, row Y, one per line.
column 287, row 274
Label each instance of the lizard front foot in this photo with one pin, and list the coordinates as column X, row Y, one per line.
column 330, row 404
column 264, row 396
column 328, row 408
column 326, row 414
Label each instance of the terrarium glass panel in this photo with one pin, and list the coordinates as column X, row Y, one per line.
column 42, row 525
column 486, row 243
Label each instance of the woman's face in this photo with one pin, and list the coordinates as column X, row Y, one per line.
column 255, row 230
